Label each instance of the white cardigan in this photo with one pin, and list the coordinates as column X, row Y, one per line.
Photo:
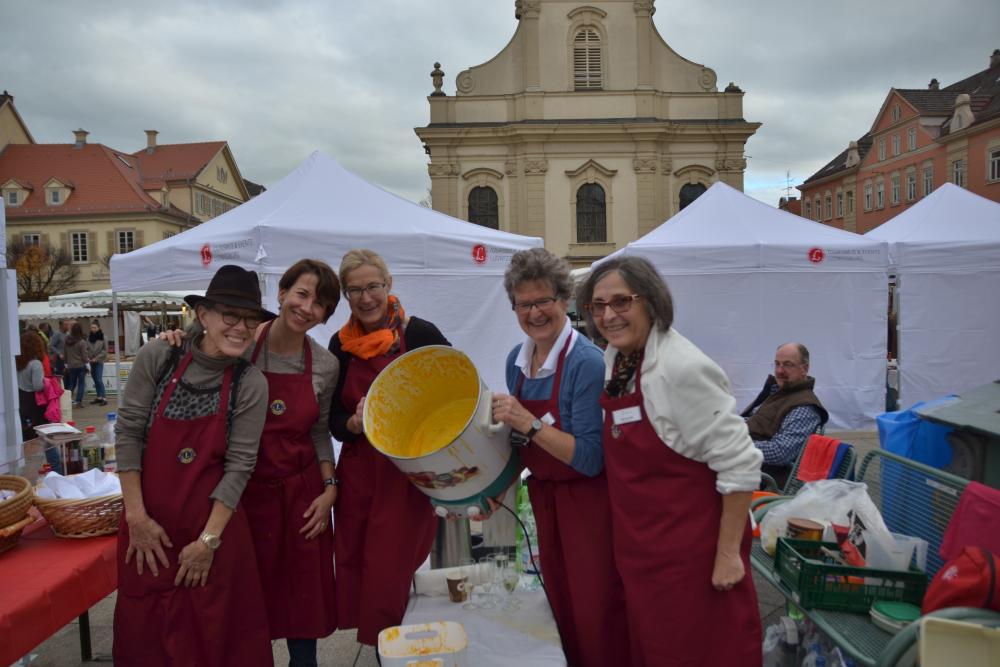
column 688, row 400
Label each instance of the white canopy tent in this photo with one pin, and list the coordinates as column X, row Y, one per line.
column 746, row 277
column 946, row 253
column 39, row 311
column 444, row 270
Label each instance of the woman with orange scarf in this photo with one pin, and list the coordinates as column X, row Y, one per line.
column 384, row 526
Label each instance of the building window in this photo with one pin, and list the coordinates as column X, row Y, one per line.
column 126, row 242
column 221, row 174
column 587, row 71
column 690, row 192
column 809, row 209
column 958, row 173
column 840, row 204
column 31, row 239
column 995, row 165
column 880, row 195
column 895, row 112
column 881, row 149
column 868, row 196
column 828, row 207
column 895, row 144
column 218, row 208
column 484, row 207
column 911, row 186
column 591, row 214
column 911, row 139
column 928, row 180
column 817, row 209
column 79, row 248
column 12, row 198
column 167, row 235
column 850, row 201
column 54, row 197
column 894, row 194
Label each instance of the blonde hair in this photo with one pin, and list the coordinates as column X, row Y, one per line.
column 355, row 259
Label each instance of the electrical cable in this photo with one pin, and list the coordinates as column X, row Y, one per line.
column 531, row 554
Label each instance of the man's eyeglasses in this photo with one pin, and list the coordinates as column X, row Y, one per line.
column 231, row 318
column 370, row 289
column 541, row 304
column 619, row 304
column 787, row 365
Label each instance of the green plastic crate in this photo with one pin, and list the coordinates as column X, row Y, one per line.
column 819, row 582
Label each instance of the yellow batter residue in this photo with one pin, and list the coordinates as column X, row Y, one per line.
column 421, row 402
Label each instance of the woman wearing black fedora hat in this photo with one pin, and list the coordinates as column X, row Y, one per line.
column 186, row 439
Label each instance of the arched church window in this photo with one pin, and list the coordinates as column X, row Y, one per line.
column 587, row 70
column 591, row 214
column 690, row 192
column 484, row 208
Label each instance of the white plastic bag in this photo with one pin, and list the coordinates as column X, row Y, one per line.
column 829, row 501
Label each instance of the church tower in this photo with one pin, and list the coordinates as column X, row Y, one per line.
column 587, row 129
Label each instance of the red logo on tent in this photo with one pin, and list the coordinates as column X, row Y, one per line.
column 206, row 255
column 479, row 253
column 816, row 255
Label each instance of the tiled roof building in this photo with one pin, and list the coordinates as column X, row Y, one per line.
column 920, row 139
column 95, row 201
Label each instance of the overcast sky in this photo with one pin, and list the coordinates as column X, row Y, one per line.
column 279, row 79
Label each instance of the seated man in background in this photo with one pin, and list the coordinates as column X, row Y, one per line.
column 786, row 412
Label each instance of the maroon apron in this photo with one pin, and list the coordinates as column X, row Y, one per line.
column 384, row 525
column 666, row 514
column 160, row 624
column 295, row 573
column 573, row 517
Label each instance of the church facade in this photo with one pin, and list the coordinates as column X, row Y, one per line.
column 587, row 129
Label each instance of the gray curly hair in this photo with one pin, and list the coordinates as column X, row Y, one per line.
column 538, row 264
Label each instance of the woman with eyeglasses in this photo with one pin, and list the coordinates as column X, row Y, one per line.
column 187, row 435
column 681, row 470
column 385, row 525
column 293, row 487
column 555, row 378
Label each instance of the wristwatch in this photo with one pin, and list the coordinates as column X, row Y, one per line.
column 211, row 541
column 331, row 481
column 536, row 426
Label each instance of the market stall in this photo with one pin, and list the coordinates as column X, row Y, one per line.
column 747, row 277
column 945, row 251
column 444, row 270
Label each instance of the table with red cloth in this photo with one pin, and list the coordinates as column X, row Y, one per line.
column 46, row 582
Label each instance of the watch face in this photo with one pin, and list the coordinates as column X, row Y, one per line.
column 537, row 425
column 212, row 541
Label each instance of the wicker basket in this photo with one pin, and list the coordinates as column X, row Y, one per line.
column 82, row 518
column 14, row 509
column 11, row 534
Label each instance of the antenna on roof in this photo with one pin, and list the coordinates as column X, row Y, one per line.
column 788, row 184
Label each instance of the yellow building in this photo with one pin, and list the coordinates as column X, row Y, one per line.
column 94, row 201
column 587, row 129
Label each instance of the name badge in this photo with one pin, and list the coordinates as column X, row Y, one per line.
column 547, row 418
column 626, row 415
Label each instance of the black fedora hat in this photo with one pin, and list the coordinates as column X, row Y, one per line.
column 233, row 286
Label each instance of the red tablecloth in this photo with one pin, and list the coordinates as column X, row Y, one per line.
column 48, row 581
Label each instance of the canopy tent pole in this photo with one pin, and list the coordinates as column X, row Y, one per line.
column 118, row 347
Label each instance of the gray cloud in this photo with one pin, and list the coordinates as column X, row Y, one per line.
column 280, row 79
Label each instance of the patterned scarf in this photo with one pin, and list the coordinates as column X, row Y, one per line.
column 354, row 339
column 622, row 371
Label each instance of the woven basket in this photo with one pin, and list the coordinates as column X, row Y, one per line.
column 14, row 509
column 11, row 534
column 82, row 518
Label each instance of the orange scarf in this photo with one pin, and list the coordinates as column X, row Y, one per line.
column 356, row 341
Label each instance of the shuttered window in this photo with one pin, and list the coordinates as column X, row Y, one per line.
column 587, row 60
column 80, row 247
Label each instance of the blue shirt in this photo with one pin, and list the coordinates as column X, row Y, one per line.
column 580, row 411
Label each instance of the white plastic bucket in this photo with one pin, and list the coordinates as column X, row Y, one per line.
column 430, row 412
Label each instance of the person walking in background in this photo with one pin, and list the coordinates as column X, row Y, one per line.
column 57, row 348
column 384, row 525
column 98, row 357
column 77, row 354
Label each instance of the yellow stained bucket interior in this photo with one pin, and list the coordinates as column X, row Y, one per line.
column 421, row 402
